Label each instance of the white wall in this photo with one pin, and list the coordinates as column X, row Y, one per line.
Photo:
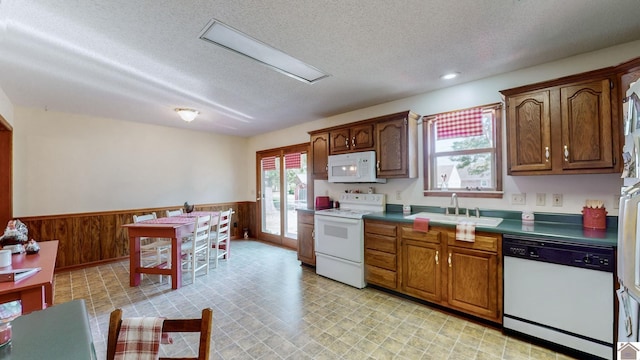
column 575, row 188
column 68, row 163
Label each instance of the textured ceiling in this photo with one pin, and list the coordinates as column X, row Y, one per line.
column 138, row 60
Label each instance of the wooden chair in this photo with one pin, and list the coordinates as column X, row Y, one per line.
column 171, row 213
column 202, row 325
column 197, row 249
column 153, row 251
column 220, row 240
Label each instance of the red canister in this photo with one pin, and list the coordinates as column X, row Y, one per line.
column 594, row 218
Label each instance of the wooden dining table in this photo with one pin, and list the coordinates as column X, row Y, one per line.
column 36, row 291
column 174, row 228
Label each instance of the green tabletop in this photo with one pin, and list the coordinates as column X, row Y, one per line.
column 60, row 332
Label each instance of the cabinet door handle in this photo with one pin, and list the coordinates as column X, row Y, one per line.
column 449, row 260
column 378, row 165
column 353, row 142
column 436, row 257
column 313, row 234
column 346, row 142
column 326, row 167
column 566, row 153
column 546, row 153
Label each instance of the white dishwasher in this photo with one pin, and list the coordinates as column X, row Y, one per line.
column 560, row 292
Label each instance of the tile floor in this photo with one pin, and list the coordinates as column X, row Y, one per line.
column 267, row 306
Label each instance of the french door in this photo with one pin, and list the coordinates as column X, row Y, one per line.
column 281, row 190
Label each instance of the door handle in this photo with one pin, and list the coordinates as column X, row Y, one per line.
column 353, row 142
column 566, row 153
column 449, row 261
column 436, row 257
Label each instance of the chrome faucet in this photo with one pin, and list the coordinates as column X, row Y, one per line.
column 454, row 202
column 476, row 210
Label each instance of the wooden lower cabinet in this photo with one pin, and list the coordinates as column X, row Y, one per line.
column 306, row 248
column 380, row 254
column 421, row 270
column 473, row 282
column 474, row 275
column 434, row 266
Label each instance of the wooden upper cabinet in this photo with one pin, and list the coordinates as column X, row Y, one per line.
column 586, row 125
column 529, row 132
column 568, row 126
column 319, row 156
column 397, row 147
column 393, row 137
column 356, row 138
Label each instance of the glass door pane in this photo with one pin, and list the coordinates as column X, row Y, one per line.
column 271, row 185
column 295, row 183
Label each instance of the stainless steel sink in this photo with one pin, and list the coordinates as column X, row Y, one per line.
column 454, row 219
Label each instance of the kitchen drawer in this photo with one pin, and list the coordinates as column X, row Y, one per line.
column 378, row 276
column 484, row 241
column 379, row 228
column 432, row 236
column 379, row 242
column 380, row 259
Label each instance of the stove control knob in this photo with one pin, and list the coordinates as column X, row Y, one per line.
column 587, row 259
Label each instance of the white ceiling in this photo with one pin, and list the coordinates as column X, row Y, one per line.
column 137, row 60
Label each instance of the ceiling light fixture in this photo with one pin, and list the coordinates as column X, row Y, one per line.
column 450, row 76
column 187, row 114
column 232, row 39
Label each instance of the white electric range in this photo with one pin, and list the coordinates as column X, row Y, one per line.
column 339, row 237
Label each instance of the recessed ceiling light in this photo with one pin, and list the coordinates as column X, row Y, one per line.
column 232, row 39
column 450, row 76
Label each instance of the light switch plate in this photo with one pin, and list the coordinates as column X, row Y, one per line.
column 541, row 199
column 518, row 199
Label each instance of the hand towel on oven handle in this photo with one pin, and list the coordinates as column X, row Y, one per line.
column 466, row 231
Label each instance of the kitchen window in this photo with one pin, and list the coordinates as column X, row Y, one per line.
column 463, row 152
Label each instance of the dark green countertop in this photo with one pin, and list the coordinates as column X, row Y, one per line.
column 562, row 227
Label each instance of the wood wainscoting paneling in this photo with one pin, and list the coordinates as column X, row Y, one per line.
column 92, row 238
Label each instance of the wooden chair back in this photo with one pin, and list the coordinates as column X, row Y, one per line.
column 202, row 325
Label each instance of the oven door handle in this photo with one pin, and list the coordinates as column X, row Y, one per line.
column 334, row 219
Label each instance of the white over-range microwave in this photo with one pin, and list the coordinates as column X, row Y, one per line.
column 357, row 167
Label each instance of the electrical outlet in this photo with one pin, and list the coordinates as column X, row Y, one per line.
column 557, row 200
column 518, row 199
column 398, row 197
column 541, row 199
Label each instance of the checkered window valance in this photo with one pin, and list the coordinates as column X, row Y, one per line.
column 463, row 123
column 269, row 163
column 292, row 161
